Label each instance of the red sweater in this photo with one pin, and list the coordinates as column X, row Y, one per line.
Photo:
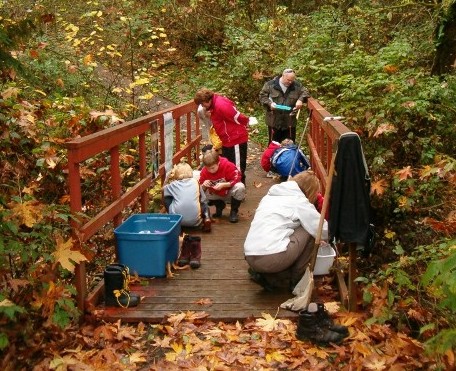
column 229, row 124
column 227, row 172
column 267, row 154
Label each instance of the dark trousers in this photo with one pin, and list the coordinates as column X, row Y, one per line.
column 278, row 135
column 238, row 156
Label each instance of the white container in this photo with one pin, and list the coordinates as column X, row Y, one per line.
column 325, row 259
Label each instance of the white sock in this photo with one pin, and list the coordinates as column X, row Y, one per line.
column 312, row 308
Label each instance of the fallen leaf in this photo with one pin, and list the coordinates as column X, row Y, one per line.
column 204, row 301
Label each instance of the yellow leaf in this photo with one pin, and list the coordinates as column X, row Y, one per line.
column 389, row 234
column 65, row 256
column 6, row 303
column 403, row 201
column 267, row 323
column 88, row 59
column 177, row 347
column 275, row 356
column 138, row 357
column 27, row 213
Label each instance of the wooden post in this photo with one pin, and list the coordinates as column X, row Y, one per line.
column 352, row 272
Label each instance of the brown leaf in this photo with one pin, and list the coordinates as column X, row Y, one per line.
column 384, row 129
column 204, row 301
column 404, row 173
column 379, row 187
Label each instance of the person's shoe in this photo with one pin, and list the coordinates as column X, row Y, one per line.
column 311, row 328
column 234, row 216
column 219, row 206
column 260, row 280
column 207, row 225
column 116, row 288
column 234, row 210
column 325, row 319
column 185, row 252
column 271, row 174
column 195, row 252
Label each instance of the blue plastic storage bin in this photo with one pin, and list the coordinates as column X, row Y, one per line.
column 147, row 242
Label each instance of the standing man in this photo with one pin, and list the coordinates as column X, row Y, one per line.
column 282, row 97
column 229, row 124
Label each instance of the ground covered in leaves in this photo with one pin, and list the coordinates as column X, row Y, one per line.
column 192, row 341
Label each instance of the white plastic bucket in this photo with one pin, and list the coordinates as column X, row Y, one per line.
column 325, row 259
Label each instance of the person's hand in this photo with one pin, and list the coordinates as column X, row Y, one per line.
column 219, row 186
column 298, row 104
column 208, row 183
column 273, row 105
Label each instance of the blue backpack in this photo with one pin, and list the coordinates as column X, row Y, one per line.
column 283, row 157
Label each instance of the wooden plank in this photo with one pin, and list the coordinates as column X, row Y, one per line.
column 222, row 278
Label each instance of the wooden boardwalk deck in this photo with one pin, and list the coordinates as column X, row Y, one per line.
column 222, row 281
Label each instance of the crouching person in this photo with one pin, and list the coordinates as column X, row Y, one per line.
column 280, row 241
column 221, row 180
column 183, row 195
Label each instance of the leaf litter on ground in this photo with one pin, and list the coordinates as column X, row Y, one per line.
column 190, row 340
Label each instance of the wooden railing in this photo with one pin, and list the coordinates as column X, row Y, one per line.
column 149, row 130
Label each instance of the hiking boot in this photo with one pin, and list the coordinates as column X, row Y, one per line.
column 325, row 319
column 207, row 225
column 117, row 293
column 260, row 280
column 311, row 328
column 234, row 210
column 185, row 252
column 219, row 206
column 125, row 270
column 195, row 252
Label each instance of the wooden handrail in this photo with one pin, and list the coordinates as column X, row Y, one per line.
column 108, row 141
column 322, row 140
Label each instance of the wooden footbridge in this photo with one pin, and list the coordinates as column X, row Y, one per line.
column 221, row 287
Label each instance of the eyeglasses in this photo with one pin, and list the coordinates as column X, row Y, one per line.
column 288, row 70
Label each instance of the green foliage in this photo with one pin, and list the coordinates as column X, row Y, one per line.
column 440, row 275
column 369, row 62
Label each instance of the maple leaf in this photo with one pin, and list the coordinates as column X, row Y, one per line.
column 204, row 301
column 177, row 350
column 65, row 256
column 267, row 323
column 379, row 186
column 320, row 353
column 374, row 363
column 175, row 319
column 109, row 113
column 384, row 128
column 404, row 173
column 137, row 357
column 390, row 68
column 10, row 92
column 257, row 75
column 427, row 171
column 275, row 356
column 28, row 213
column 194, row 316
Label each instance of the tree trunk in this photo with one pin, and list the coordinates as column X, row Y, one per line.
column 445, row 38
